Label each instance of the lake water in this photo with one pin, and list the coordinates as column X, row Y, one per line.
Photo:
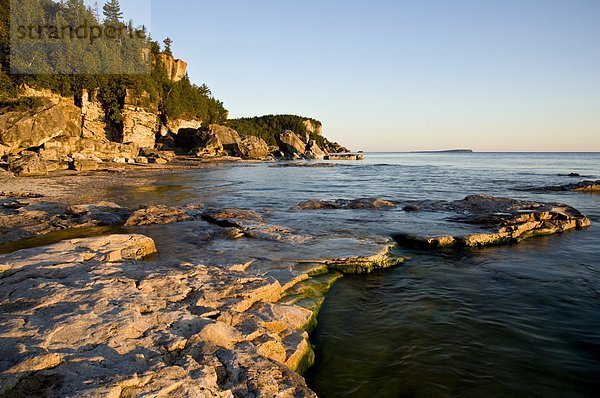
column 520, row 320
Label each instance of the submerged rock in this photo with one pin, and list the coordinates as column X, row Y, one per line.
column 153, row 215
column 496, row 220
column 583, row 186
column 251, row 224
column 86, row 318
column 363, row 203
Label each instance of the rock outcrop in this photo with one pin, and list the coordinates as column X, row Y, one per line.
column 291, row 145
column 314, row 152
column 140, row 120
column 32, row 128
column 313, row 127
column 175, row 68
column 491, row 221
column 93, row 116
column 86, row 318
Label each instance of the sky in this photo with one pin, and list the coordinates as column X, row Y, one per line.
column 394, row 75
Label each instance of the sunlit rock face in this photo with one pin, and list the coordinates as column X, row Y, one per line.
column 176, row 68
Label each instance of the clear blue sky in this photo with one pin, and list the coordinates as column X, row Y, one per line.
column 491, row 75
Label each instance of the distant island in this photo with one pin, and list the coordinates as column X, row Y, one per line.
column 447, row 151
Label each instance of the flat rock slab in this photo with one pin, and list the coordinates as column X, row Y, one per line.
column 487, row 220
column 87, row 318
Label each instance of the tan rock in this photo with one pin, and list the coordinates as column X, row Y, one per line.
column 93, row 116
column 85, row 165
column 55, row 117
column 176, row 68
column 253, row 147
column 26, row 166
column 89, row 324
column 314, row 152
column 291, row 145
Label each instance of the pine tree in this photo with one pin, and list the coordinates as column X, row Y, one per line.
column 168, row 42
column 112, row 11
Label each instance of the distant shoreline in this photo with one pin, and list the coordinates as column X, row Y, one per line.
column 447, row 151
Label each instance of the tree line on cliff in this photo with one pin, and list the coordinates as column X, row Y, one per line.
column 267, row 127
column 130, row 52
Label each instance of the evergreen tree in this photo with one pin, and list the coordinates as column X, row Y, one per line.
column 112, row 11
column 168, row 42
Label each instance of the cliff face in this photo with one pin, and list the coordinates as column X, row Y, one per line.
column 176, row 68
column 140, row 120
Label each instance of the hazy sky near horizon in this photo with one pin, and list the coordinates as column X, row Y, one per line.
column 385, row 75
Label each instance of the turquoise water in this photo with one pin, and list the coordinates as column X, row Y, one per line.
column 514, row 321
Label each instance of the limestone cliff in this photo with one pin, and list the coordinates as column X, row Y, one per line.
column 176, row 68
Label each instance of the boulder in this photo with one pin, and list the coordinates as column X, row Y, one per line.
column 313, row 151
column 160, row 214
column 211, row 147
column 253, row 147
column 174, row 126
column 26, row 166
column 211, row 138
column 229, row 138
column 62, row 147
column 31, row 128
column 290, row 144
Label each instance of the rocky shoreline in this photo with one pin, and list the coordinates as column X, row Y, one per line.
column 106, row 313
column 48, row 132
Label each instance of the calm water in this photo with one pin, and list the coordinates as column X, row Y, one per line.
column 514, row 321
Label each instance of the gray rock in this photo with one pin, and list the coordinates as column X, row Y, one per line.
column 364, row 203
column 494, row 221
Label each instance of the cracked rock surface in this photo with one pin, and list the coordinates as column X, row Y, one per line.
column 88, row 317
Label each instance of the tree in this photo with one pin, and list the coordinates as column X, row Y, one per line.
column 168, row 42
column 112, row 11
